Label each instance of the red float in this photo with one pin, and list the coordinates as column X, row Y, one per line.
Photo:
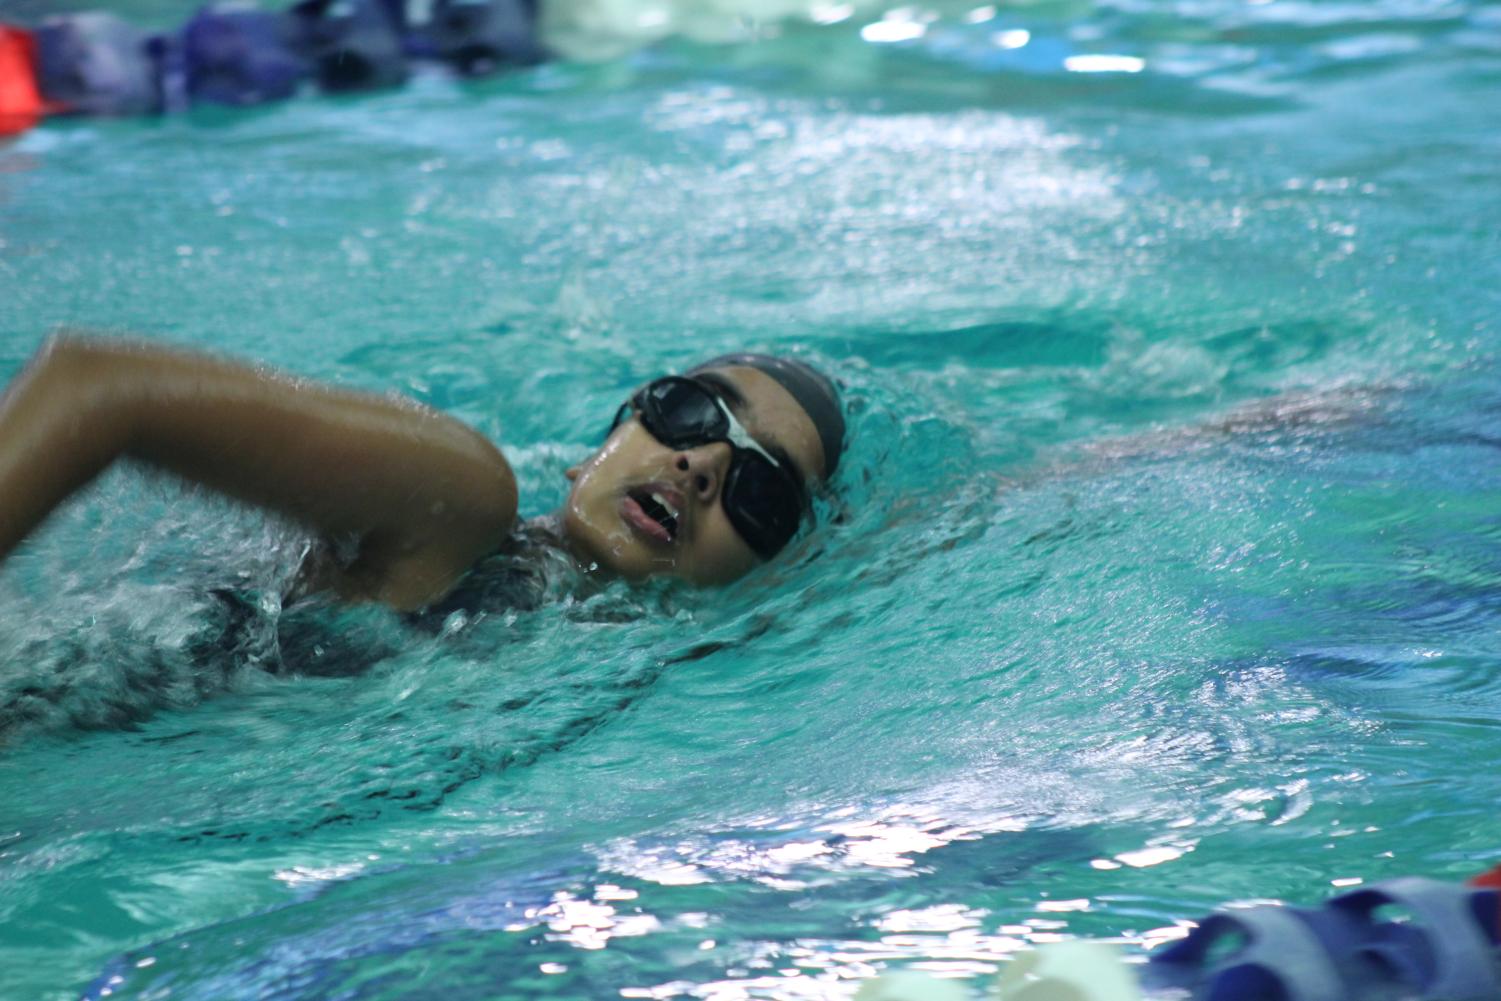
column 21, row 104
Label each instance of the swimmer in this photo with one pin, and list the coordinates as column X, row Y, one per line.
column 701, row 477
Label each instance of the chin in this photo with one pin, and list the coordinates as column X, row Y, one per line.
column 607, row 543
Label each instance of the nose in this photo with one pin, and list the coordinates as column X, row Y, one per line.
column 704, row 468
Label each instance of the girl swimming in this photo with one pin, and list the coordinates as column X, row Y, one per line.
column 702, row 476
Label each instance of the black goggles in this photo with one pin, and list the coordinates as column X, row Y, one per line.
column 762, row 494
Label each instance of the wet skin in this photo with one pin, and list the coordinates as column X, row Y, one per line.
column 605, row 524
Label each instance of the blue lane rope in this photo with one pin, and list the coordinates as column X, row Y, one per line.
column 1442, row 947
column 93, row 63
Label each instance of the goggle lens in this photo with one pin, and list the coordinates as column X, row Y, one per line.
column 760, row 505
column 684, row 411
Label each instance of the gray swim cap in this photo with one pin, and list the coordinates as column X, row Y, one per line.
column 813, row 391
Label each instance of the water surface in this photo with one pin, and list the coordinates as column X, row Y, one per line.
column 1164, row 569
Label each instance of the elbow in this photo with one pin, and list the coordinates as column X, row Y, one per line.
column 495, row 503
column 60, row 372
column 500, row 512
column 73, row 361
column 69, row 349
column 93, row 380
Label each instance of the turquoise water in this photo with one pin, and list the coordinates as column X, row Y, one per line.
column 1165, row 570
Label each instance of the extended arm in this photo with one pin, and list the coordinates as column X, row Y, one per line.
column 425, row 495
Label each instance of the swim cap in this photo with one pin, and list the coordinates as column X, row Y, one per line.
column 809, row 387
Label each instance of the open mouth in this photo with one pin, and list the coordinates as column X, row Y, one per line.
column 654, row 512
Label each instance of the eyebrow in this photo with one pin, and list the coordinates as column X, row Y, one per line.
column 726, row 388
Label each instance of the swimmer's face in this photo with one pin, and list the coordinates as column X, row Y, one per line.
column 607, row 524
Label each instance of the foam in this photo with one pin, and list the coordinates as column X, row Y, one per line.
column 594, row 30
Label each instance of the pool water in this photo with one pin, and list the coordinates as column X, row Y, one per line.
column 1165, row 568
